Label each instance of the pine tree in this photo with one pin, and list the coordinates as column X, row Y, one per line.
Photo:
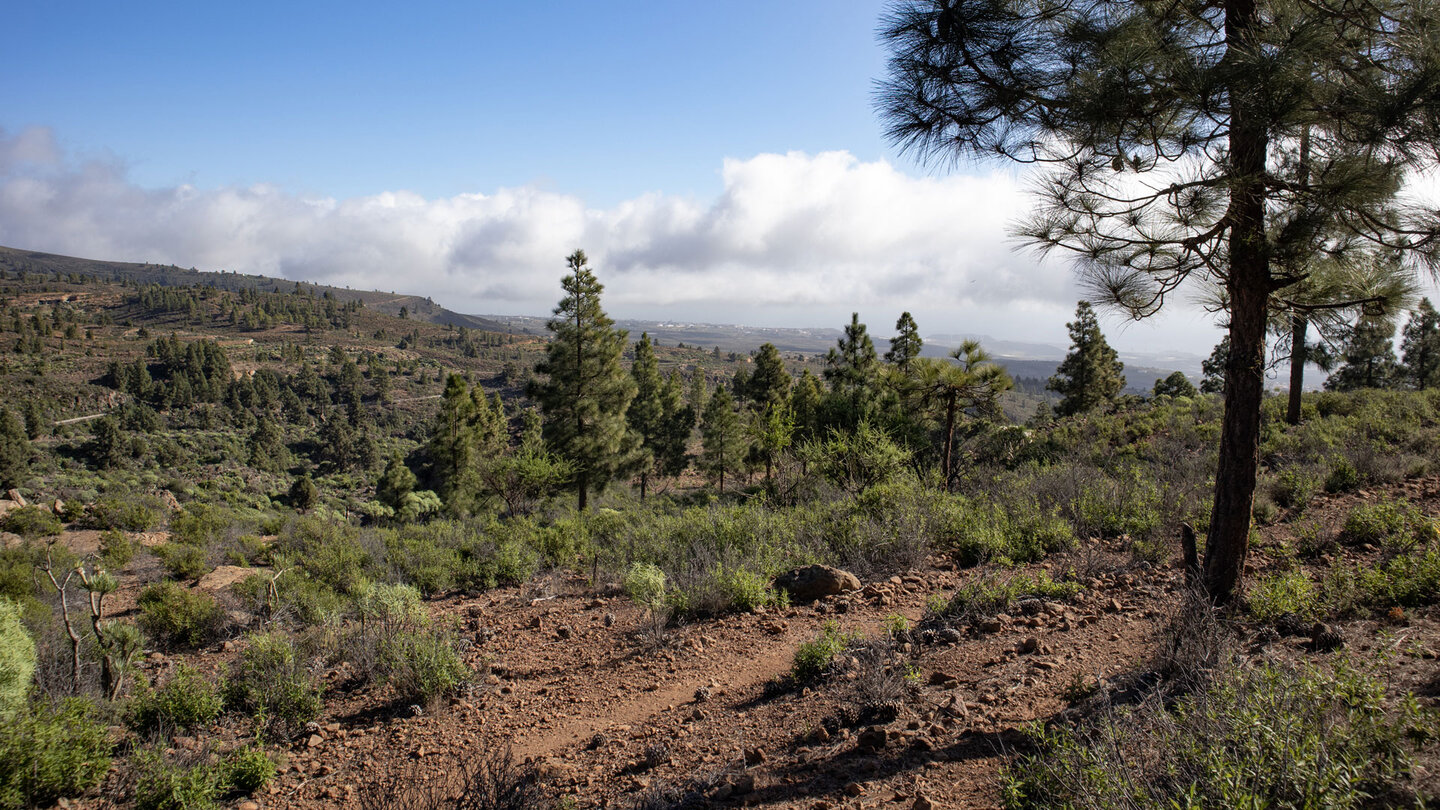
column 1420, row 347
column 1212, row 368
column 723, row 439
column 906, row 344
column 1090, row 376
column 647, row 410
column 15, row 450
column 1175, row 385
column 1369, row 358
column 521, row 475
column 678, row 421
column 1333, row 292
column 586, row 392
column 108, row 445
column 971, row 386
column 35, row 422
column 740, row 385
column 267, row 445
column 1175, row 135
column 303, row 493
column 770, row 383
column 395, row 483
column 469, row 430
column 697, row 395
column 805, row 401
column 852, row 368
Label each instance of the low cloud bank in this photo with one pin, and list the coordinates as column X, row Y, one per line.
column 789, row 237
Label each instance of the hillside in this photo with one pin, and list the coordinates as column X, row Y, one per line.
column 418, row 308
column 330, row 562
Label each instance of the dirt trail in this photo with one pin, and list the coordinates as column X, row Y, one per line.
column 730, row 674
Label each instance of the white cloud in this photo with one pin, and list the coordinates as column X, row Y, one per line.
column 791, row 238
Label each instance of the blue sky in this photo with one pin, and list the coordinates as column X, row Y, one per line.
column 718, row 161
column 605, row 100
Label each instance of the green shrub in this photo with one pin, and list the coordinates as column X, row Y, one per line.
column 31, row 522
column 271, row 683
column 183, row 561
column 1295, row 488
column 978, row 532
column 130, row 514
column 200, row 524
column 306, row 600
column 1381, row 522
column 178, row 616
column 72, row 511
column 247, row 769
column 990, row 594
column 163, row 785
column 812, row 658
column 424, row 563
column 1125, row 504
column 1343, row 477
column 747, row 590
column 49, row 752
column 1310, row 540
column 17, row 659
column 1285, row 598
column 423, row 667
column 17, row 574
column 392, row 608
column 645, row 584
column 187, row 701
column 330, row 552
column 514, row 563
column 1408, row 580
column 245, row 549
column 1263, row 737
column 1264, row 510
column 116, row 549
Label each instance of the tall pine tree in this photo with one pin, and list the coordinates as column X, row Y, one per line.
column 722, row 435
column 1183, row 142
column 1369, row 357
column 469, row 431
column 677, row 421
column 906, row 344
column 1090, row 376
column 770, row 383
column 852, row 368
column 647, row 410
column 586, row 392
column 1420, row 347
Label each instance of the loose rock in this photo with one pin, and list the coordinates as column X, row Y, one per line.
column 813, row 582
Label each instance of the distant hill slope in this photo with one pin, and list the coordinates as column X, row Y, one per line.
column 417, row 307
column 1019, row 358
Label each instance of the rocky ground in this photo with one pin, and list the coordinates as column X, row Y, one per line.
column 578, row 684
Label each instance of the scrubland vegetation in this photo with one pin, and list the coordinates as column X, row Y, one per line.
column 346, row 475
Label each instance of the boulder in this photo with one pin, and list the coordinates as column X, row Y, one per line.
column 816, row 581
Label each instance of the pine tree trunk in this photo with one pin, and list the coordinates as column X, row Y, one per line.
column 949, row 438
column 1249, row 286
column 1299, row 326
